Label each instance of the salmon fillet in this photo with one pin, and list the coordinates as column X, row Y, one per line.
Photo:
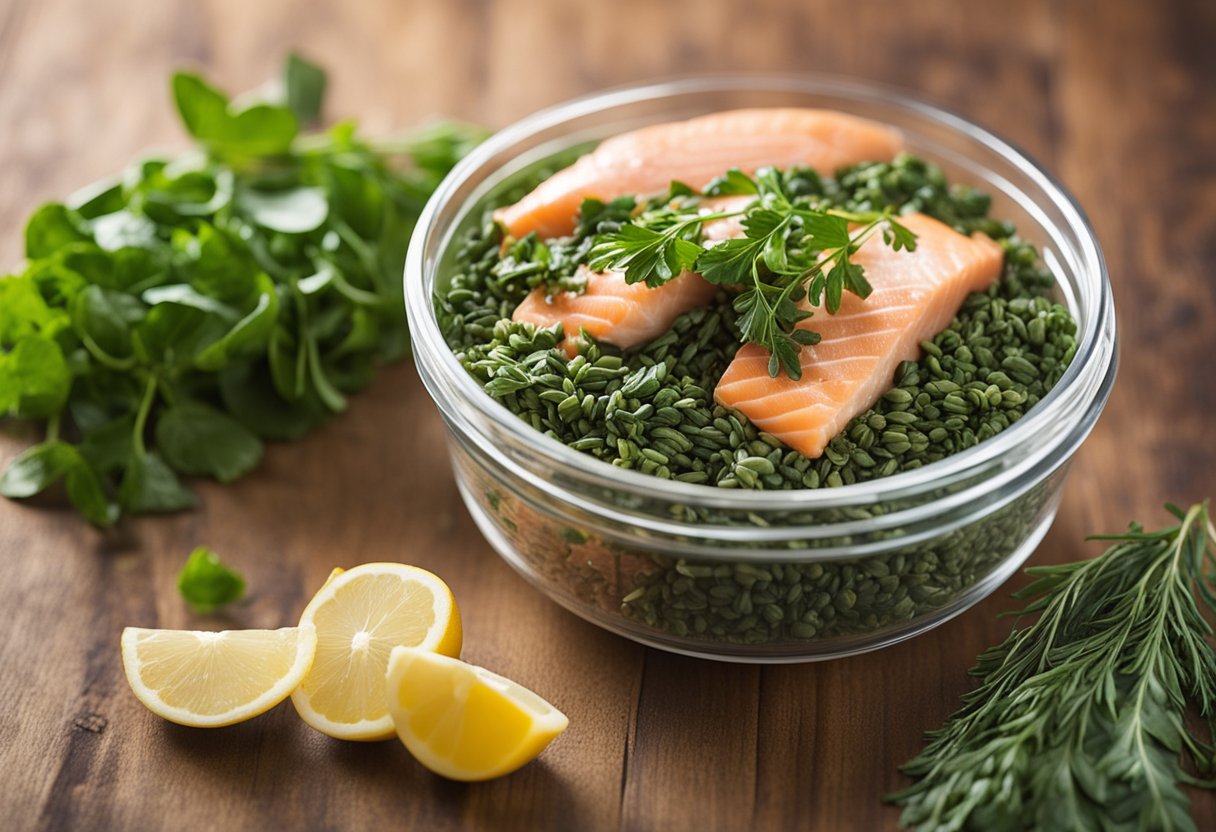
column 614, row 311
column 916, row 295
column 624, row 314
column 645, row 161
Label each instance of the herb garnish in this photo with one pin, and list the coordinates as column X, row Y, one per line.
column 793, row 248
column 168, row 323
column 1080, row 722
column 206, row 583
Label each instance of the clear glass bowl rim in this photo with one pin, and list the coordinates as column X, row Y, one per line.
column 431, row 349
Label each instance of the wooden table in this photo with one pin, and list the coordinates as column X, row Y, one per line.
column 1115, row 99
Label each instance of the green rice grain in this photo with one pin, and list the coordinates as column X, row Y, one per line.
column 651, row 410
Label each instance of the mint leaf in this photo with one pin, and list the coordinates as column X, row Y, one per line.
column 206, row 583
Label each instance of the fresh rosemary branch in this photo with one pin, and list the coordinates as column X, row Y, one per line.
column 792, row 249
column 1080, row 720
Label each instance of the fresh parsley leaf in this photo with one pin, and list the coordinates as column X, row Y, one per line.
column 792, row 249
column 729, row 262
column 732, row 183
column 207, row 583
column 647, row 255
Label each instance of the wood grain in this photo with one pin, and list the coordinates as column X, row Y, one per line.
column 1115, row 98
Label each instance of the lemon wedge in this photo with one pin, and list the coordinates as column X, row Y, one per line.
column 208, row 680
column 360, row 615
column 464, row 722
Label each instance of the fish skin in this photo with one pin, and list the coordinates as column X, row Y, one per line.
column 916, row 295
column 645, row 161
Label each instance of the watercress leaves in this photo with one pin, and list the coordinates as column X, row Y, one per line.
column 166, row 323
column 303, row 88
column 258, row 130
column 207, row 583
column 41, row 466
column 198, row 439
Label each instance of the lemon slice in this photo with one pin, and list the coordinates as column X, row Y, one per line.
column 360, row 616
column 464, row 722
column 207, row 680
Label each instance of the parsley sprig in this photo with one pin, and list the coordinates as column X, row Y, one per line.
column 1080, row 722
column 793, row 249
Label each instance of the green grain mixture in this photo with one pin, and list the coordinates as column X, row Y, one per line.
column 651, row 409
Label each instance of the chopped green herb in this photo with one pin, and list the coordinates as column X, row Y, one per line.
column 168, row 323
column 206, row 583
column 1080, row 721
column 794, row 247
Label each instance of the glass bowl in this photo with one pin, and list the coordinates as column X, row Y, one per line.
column 764, row 576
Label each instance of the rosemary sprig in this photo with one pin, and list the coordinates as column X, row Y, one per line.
column 1080, row 720
column 792, row 249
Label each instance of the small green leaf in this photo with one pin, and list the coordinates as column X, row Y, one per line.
column 825, row 231
column 37, row 468
column 149, row 485
column 216, row 262
column 732, row 183
column 34, row 378
column 292, row 211
column 87, row 495
column 175, row 332
column 260, row 130
column 203, row 108
column 206, row 583
column 356, row 197
column 108, row 445
column 198, row 439
column 249, row 394
column 304, row 88
column 41, row 466
column 729, row 262
column 103, row 318
column 52, row 227
column 248, row 334
column 124, row 229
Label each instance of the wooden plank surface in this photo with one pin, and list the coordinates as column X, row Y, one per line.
column 1115, row 98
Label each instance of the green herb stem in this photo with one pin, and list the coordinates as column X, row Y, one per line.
column 1080, row 720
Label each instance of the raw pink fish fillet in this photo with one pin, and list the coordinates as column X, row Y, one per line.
column 645, row 161
column 916, row 295
column 624, row 314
